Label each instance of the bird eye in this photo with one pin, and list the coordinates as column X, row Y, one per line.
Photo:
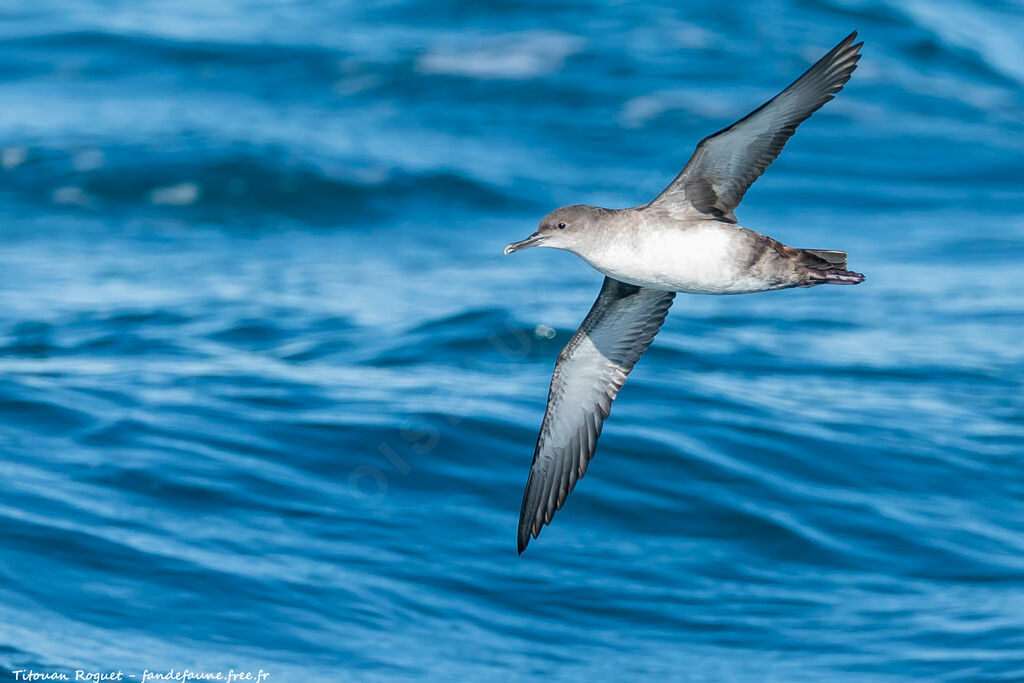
column 561, row 226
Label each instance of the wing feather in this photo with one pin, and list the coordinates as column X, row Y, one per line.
column 588, row 375
column 725, row 164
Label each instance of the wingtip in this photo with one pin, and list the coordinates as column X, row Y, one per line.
column 523, row 532
column 527, row 532
column 848, row 41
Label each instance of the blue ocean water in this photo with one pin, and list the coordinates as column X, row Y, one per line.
column 269, row 390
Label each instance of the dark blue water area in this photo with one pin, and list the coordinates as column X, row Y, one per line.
column 269, row 390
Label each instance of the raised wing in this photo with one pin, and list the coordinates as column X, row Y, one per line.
column 727, row 163
column 590, row 371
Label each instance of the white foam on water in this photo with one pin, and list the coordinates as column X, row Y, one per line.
column 73, row 196
column 12, row 157
column 88, row 159
column 992, row 35
column 182, row 194
column 516, row 56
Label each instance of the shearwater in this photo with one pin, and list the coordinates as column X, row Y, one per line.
column 686, row 240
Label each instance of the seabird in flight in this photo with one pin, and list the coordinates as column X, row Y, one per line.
column 686, row 240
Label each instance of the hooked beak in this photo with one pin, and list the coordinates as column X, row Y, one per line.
column 531, row 241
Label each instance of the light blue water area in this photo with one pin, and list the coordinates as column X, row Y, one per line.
column 269, row 390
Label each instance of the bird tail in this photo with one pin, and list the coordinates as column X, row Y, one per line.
column 834, row 259
column 828, row 267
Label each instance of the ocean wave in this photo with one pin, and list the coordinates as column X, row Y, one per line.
column 111, row 54
column 304, row 449
column 986, row 32
column 235, row 186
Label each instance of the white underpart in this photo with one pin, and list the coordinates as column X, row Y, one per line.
column 707, row 258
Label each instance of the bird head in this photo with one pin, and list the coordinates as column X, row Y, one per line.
column 561, row 229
